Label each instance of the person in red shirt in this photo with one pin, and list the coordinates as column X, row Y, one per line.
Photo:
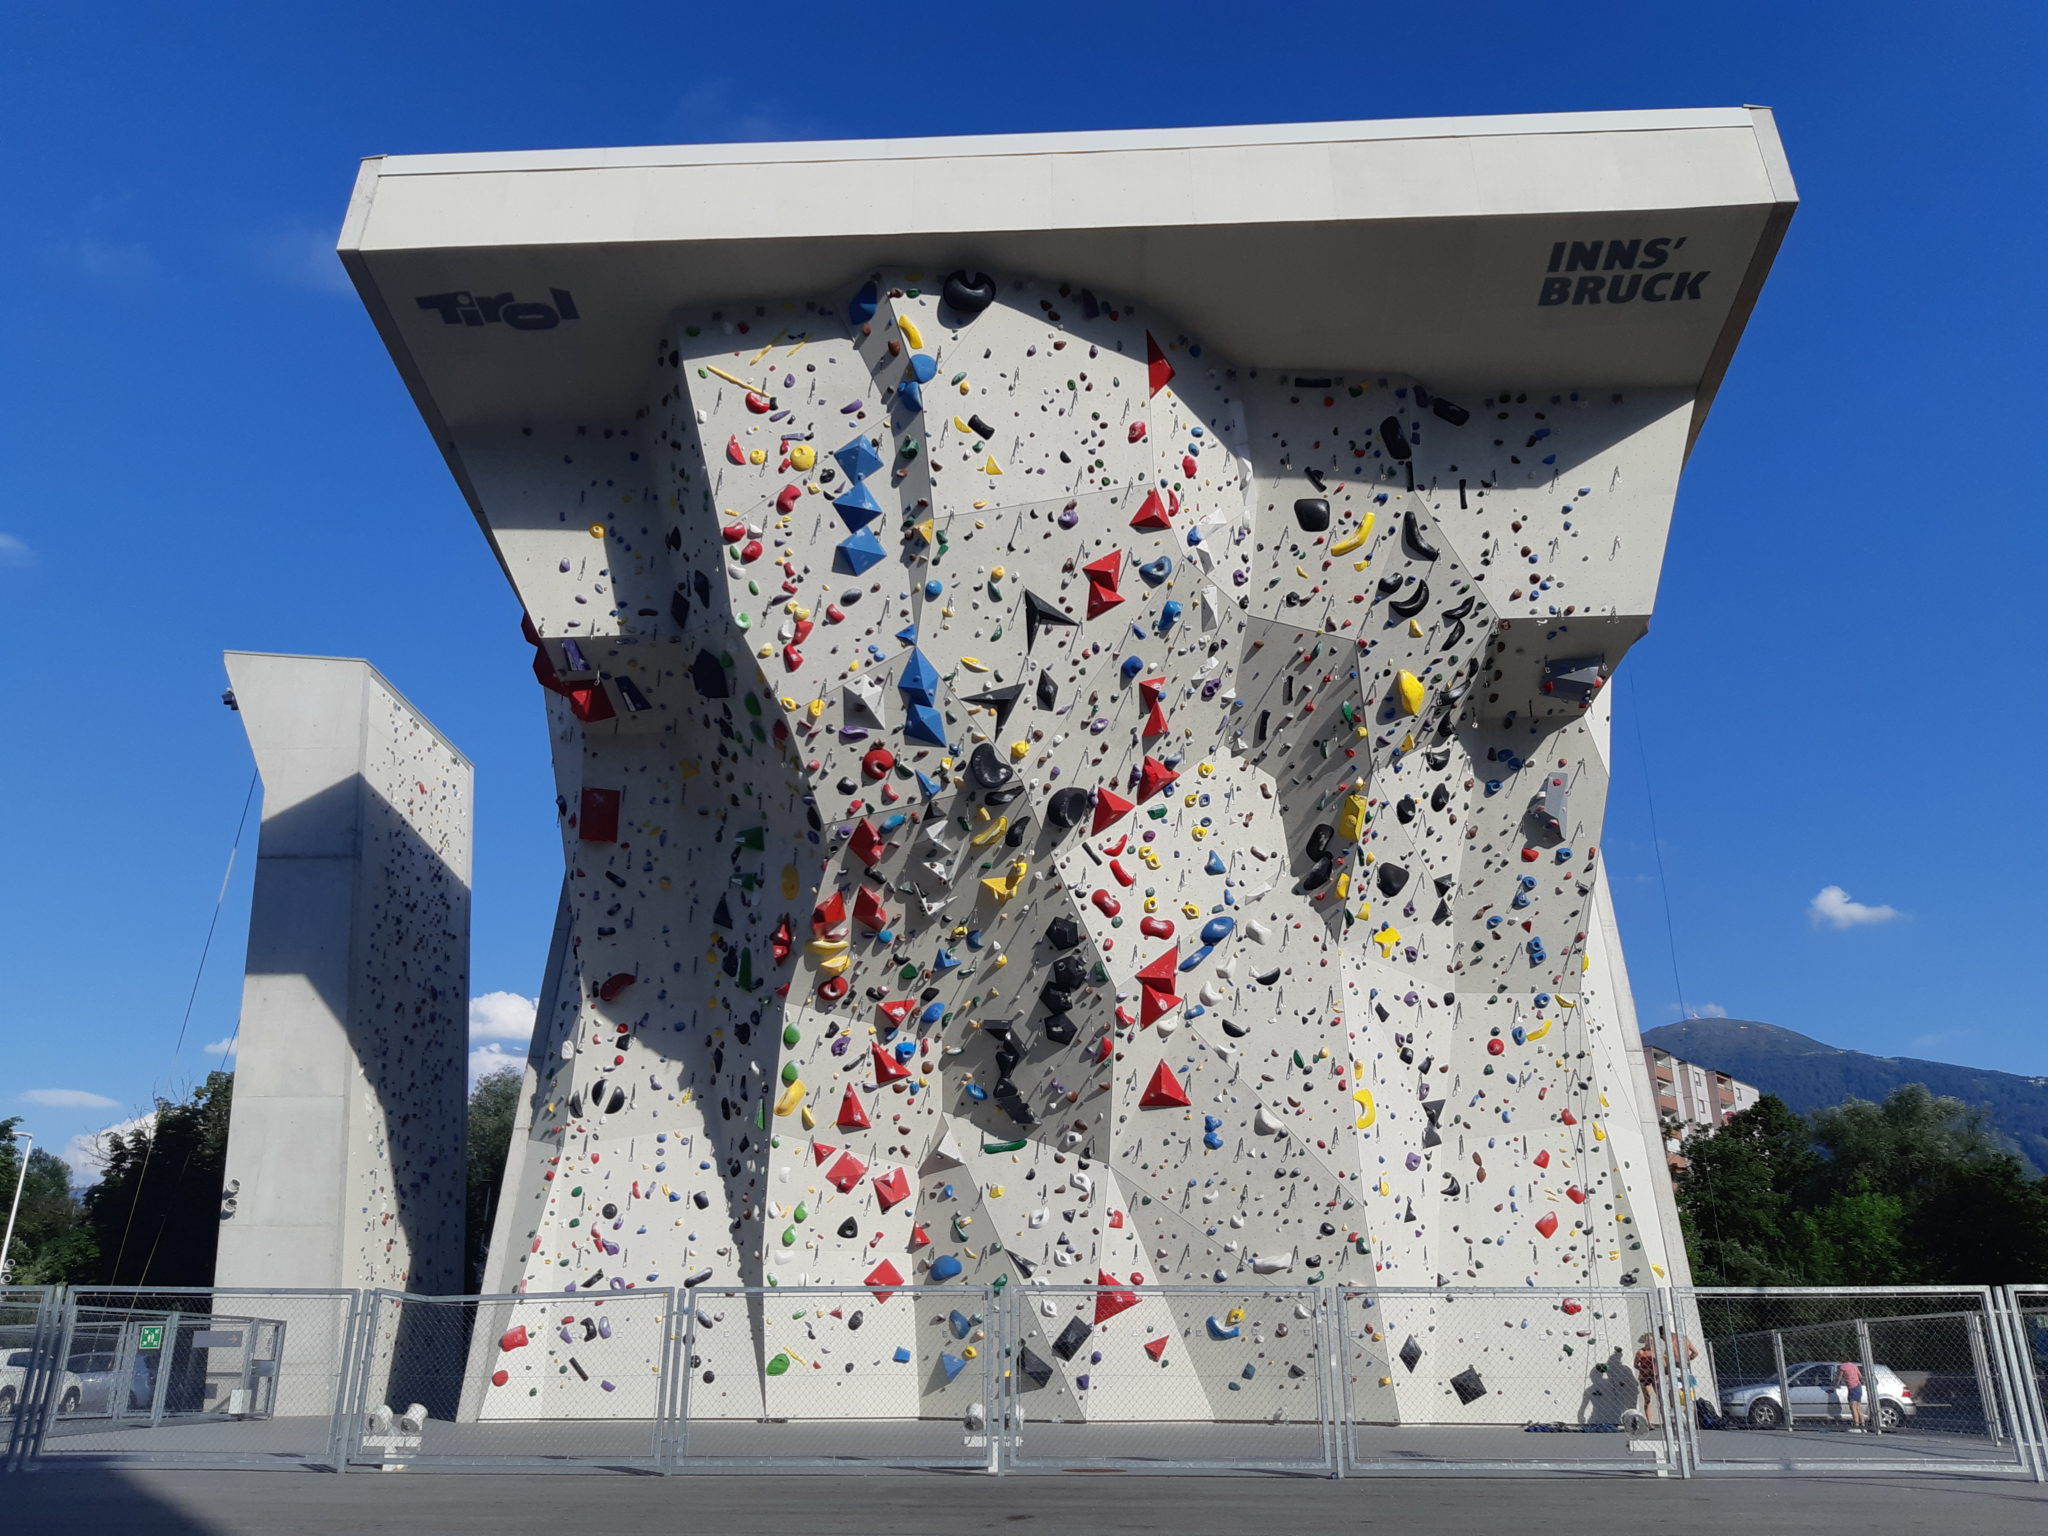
column 1850, row 1375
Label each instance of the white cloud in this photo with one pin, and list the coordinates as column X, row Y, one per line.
column 86, row 1153
column 67, row 1098
column 486, row 1059
column 1707, row 1011
column 1834, row 907
column 227, row 1047
column 501, row 1016
column 14, row 555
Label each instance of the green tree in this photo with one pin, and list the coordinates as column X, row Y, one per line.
column 1738, row 1198
column 1858, row 1237
column 1903, row 1145
column 156, row 1211
column 52, row 1245
column 1982, row 1222
column 493, row 1105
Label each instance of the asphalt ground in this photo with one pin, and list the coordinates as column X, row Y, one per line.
column 117, row 1501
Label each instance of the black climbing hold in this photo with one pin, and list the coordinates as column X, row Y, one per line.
column 849, row 1228
column 1235, row 1030
column 1412, row 540
column 710, row 677
column 702, row 1200
column 1001, row 700
column 1067, row 807
column 1069, row 972
column 1389, row 585
column 1468, row 1386
column 722, row 916
column 1063, row 932
column 1318, row 874
column 1039, row 613
column 1313, row 513
column 1405, row 809
column 1038, row 1372
column 609, row 1211
column 1440, row 797
column 969, row 295
column 1392, row 436
column 1456, row 415
column 987, row 770
column 679, row 605
column 1411, row 1353
column 616, row 1102
column 1048, row 692
column 1071, row 1338
column 1320, row 839
column 1059, row 1029
column 1014, row 838
column 1412, row 604
column 981, row 428
column 1391, row 879
column 1267, row 978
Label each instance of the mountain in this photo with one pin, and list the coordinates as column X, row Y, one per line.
column 1809, row 1075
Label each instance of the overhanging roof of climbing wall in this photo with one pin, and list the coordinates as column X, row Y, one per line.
column 1612, row 249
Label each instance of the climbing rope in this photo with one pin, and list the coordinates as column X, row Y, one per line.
column 192, row 997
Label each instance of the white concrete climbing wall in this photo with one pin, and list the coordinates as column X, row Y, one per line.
column 1043, row 805
column 345, row 1146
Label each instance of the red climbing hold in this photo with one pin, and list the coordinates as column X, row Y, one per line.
column 881, row 1277
column 868, row 910
column 1164, row 1091
column 852, row 1117
column 1109, row 1300
column 1161, row 972
column 1154, row 1003
column 845, row 1174
column 1103, row 576
column 1541, row 1159
column 892, row 1188
column 877, row 763
column 1156, row 1348
column 829, row 916
column 1150, row 691
column 499, row 1378
column 782, row 941
column 866, row 843
column 1159, row 372
column 612, row 986
column 1152, row 515
column 1153, row 776
column 735, row 454
column 1110, row 808
column 887, row 1068
column 821, row 1152
column 919, row 1238
column 513, row 1338
column 1568, row 1117
column 1547, row 1223
column 591, row 704
column 897, row 1011
column 597, row 819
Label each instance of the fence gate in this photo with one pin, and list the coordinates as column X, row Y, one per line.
column 2026, row 1315
column 576, row 1379
column 855, row 1376
column 197, row 1377
column 1855, row 1380
column 31, row 1319
column 1507, row 1379
column 1167, row 1377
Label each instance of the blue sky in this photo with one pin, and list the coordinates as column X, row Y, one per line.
column 204, row 446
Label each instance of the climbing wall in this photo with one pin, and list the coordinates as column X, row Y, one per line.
column 345, row 1157
column 1043, row 805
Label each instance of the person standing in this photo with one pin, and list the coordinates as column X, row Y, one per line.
column 1849, row 1376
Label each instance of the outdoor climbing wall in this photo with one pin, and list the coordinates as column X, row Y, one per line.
column 1043, row 805
column 345, row 1155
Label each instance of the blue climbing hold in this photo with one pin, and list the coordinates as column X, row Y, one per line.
column 858, row 459
column 1216, row 866
column 857, row 506
column 1153, row 572
column 1218, row 1331
column 919, row 680
column 946, row 1266
column 859, row 312
column 922, row 722
column 1217, row 929
column 858, row 554
column 923, row 367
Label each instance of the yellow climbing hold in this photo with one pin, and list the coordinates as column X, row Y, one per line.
column 714, row 368
column 911, row 333
column 989, row 466
column 815, row 708
column 974, row 663
column 1387, row 938
column 1355, row 537
column 1539, row 1032
column 792, row 1096
column 1409, row 687
column 1019, row 750
column 992, row 831
column 789, row 882
column 1414, row 630
column 803, row 458
column 1351, row 818
column 1367, row 1110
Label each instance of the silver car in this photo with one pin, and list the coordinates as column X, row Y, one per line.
column 1761, row 1404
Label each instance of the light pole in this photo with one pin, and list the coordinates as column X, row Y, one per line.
column 20, row 1178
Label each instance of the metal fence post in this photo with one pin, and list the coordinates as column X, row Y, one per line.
column 1784, row 1379
column 1326, row 1381
column 1987, row 1385
column 1869, row 1367
column 2009, row 1329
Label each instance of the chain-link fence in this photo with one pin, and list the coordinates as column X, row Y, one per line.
column 1856, row 1380
column 30, row 1321
column 837, row 1377
column 1167, row 1377
column 198, row 1377
column 1317, row 1380
column 1508, row 1379
column 577, row 1379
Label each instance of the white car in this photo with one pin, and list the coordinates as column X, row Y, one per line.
column 1761, row 1404
column 14, row 1372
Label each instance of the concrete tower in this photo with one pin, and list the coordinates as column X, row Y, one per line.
column 345, row 1147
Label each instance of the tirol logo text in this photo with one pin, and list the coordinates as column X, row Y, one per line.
column 1618, row 272
column 466, row 308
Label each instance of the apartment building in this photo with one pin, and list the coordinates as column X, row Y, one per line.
column 1691, row 1098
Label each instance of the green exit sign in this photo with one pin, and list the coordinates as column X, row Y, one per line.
column 151, row 1337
